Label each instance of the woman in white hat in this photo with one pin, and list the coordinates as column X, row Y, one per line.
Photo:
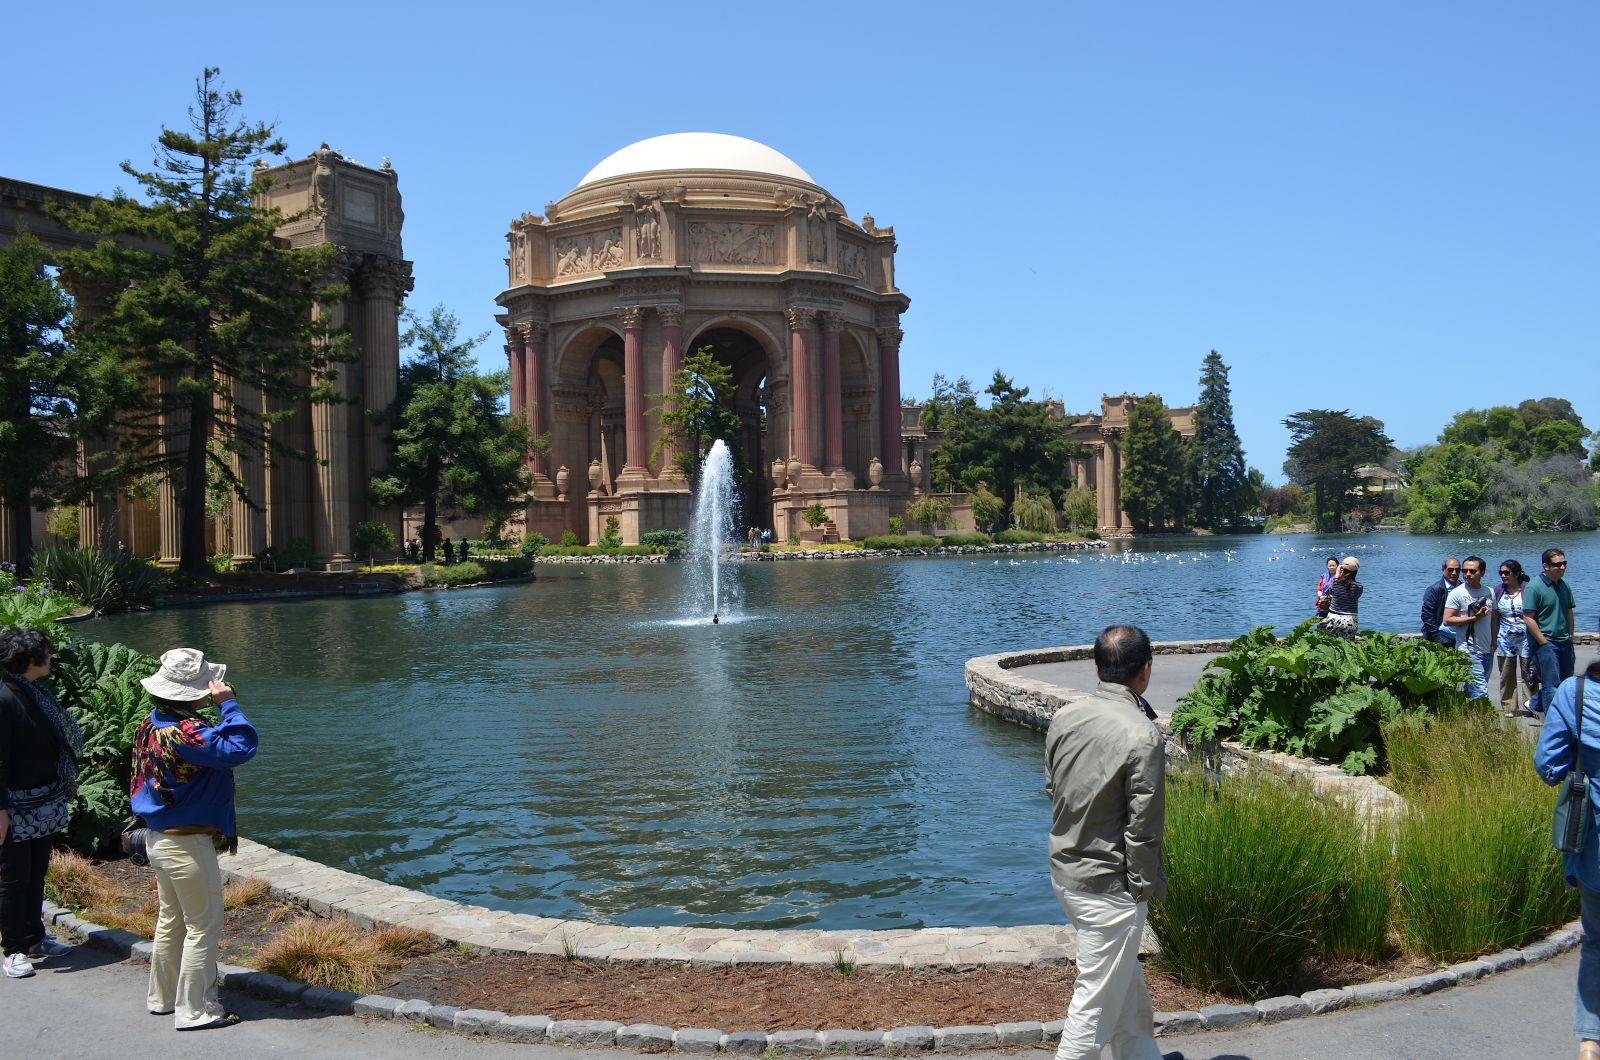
column 1344, row 599
column 183, row 788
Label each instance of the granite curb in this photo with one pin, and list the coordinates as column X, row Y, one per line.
column 655, row 1038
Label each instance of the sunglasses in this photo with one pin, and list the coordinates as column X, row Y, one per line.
column 1563, row 563
column 1452, row 570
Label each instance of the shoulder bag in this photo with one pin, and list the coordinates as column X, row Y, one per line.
column 1571, row 817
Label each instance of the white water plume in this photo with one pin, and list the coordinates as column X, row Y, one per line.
column 712, row 593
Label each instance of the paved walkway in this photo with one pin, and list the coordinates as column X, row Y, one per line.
column 1170, row 677
column 91, row 1007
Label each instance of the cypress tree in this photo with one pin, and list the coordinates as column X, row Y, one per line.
column 1219, row 458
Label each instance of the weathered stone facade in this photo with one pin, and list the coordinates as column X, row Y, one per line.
column 702, row 240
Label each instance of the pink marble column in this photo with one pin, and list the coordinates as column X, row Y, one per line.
column 671, row 362
column 832, row 399
column 535, row 394
column 633, row 388
column 514, row 352
column 801, row 432
column 889, row 399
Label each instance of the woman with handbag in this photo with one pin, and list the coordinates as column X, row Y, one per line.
column 39, row 749
column 1569, row 744
column 182, row 787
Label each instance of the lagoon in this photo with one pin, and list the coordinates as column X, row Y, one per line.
column 575, row 748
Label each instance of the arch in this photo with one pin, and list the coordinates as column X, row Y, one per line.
column 742, row 349
column 775, row 345
column 570, row 361
column 859, row 385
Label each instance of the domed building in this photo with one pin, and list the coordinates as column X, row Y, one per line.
column 698, row 240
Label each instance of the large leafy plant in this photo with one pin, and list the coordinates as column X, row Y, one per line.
column 105, row 582
column 1318, row 696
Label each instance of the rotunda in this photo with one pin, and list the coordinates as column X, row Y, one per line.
column 704, row 240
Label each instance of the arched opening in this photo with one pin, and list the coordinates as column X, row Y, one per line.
column 747, row 356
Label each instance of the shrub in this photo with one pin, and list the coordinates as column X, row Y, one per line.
column 532, row 543
column 8, row 576
column 38, row 609
column 901, row 541
column 1080, row 507
column 569, row 538
column 960, row 540
column 104, row 582
column 331, row 953
column 675, row 542
column 1018, row 537
column 897, row 525
column 1475, row 871
column 456, row 574
column 1315, row 695
column 929, row 512
column 612, row 538
column 371, row 536
column 1034, row 511
column 815, row 515
column 1254, row 869
column 62, row 523
column 988, row 511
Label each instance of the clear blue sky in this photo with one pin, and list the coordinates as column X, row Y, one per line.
column 1385, row 207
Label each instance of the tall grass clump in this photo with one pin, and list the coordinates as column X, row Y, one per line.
column 1475, row 871
column 1363, row 901
column 1256, row 870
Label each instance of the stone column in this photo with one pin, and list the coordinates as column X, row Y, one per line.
column 535, row 389
column 1122, row 520
column 382, row 282
column 633, row 392
column 802, row 433
column 832, row 398
column 515, row 355
column 330, row 439
column 1104, row 474
column 671, row 361
column 889, row 397
column 250, row 515
column 174, row 439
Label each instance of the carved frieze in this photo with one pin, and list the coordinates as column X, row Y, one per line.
column 732, row 243
column 853, row 260
column 589, row 252
column 646, row 222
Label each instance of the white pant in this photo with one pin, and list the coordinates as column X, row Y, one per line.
column 1110, row 1003
column 183, row 964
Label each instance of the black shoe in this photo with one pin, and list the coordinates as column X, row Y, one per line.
column 1172, row 1056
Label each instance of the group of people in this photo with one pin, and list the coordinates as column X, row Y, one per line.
column 452, row 552
column 1524, row 625
column 182, row 795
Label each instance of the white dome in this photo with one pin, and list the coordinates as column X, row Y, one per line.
column 696, row 150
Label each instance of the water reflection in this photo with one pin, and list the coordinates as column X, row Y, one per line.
column 571, row 748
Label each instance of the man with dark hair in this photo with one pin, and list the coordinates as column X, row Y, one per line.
column 1433, row 604
column 1548, row 610
column 1470, row 616
column 1105, row 769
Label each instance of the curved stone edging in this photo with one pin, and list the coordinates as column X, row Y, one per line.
column 746, row 556
column 648, row 1037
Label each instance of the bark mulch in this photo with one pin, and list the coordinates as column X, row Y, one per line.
column 761, row 997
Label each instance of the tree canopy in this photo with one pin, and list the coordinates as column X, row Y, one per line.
column 1221, row 479
column 1156, row 470
column 214, row 320
column 1013, row 445
column 696, row 412
column 1325, row 449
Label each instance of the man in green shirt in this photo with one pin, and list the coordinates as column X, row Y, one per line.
column 1547, row 609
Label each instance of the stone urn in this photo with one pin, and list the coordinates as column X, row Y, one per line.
column 563, row 476
column 875, row 473
column 794, row 472
column 594, row 475
column 916, row 476
column 780, row 474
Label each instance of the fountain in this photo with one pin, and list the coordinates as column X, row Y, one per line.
column 710, row 531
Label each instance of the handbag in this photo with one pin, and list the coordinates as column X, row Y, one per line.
column 38, row 812
column 1570, row 820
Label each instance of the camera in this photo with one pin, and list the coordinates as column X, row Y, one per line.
column 135, row 843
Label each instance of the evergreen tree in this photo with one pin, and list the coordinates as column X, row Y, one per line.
column 49, row 390
column 451, row 445
column 699, row 413
column 1013, row 445
column 1221, row 479
column 1324, row 451
column 1153, row 466
column 215, row 320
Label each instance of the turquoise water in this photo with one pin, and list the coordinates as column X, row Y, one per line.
column 571, row 747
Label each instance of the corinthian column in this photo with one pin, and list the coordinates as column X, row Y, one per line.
column 250, row 513
column 671, row 361
column 535, row 392
column 832, row 399
column 514, row 356
column 330, row 438
column 889, row 400
column 381, row 282
column 633, row 392
column 802, row 429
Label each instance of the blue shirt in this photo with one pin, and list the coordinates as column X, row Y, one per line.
column 1553, row 759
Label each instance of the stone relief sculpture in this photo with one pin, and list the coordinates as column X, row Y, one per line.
column 322, row 180
column 589, row 252
column 817, row 230
column 646, row 222
column 731, row 243
column 610, row 253
column 853, row 260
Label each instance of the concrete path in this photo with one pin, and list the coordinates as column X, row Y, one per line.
column 91, row 1007
column 1170, row 677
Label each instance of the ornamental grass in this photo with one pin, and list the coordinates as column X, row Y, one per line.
column 337, row 954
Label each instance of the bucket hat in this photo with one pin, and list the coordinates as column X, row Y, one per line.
column 184, row 675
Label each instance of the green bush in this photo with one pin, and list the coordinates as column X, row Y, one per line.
column 901, row 541
column 532, row 543
column 988, row 511
column 612, row 538
column 1475, row 871
column 960, row 540
column 37, row 608
column 1319, row 696
column 929, row 511
column 598, row 550
column 371, row 536
column 99, row 684
column 1254, row 870
column 675, row 542
column 1018, row 537
column 569, row 538
column 455, row 574
column 897, row 525
column 104, row 582
column 1034, row 511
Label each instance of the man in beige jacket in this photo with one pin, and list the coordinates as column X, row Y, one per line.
column 1105, row 766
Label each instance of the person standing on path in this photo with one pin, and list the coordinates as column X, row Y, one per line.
column 1105, row 770
column 1511, row 640
column 1433, row 604
column 1548, row 610
column 182, row 786
column 1469, row 615
column 1344, row 601
column 1560, row 751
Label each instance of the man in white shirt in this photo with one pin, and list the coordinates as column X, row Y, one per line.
column 1469, row 614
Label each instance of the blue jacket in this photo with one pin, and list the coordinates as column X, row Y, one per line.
column 1553, row 760
column 1433, row 614
column 183, row 769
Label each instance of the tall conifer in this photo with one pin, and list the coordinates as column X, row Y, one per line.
column 1219, row 458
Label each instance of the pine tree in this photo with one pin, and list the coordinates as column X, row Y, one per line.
column 1325, row 448
column 1222, row 478
column 216, row 321
column 451, row 445
column 1152, row 466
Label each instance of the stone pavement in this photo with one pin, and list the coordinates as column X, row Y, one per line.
column 1170, row 677
column 90, row 1006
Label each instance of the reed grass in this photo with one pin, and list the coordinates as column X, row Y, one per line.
column 331, row 953
column 74, row 882
column 239, row 893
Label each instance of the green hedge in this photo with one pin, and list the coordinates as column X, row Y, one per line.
column 455, row 574
column 900, row 541
column 963, row 540
column 675, row 542
column 1018, row 537
column 596, row 550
